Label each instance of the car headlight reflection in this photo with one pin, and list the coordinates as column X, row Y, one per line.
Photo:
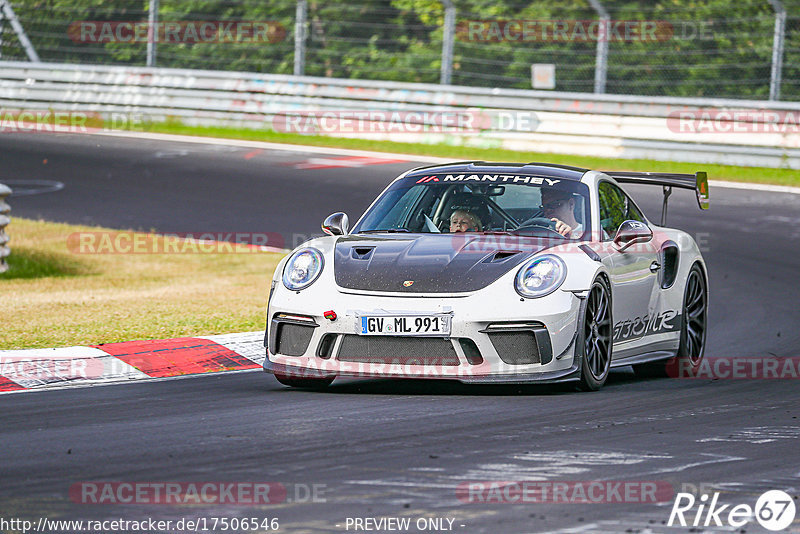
column 540, row 276
column 302, row 269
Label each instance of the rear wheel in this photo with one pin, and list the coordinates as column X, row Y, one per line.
column 693, row 333
column 594, row 337
column 304, row 383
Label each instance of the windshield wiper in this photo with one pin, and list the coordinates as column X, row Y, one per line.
column 388, row 230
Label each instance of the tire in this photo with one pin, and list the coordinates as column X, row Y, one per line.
column 304, row 383
column 694, row 319
column 595, row 341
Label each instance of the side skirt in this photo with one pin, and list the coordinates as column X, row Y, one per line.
column 645, row 357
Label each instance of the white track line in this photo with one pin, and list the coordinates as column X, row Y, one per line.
column 272, row 146
column 350, row 152
column 756, row 187
column 83, row 385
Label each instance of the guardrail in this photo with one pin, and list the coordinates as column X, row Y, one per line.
column 5, row 209
column 734, row 132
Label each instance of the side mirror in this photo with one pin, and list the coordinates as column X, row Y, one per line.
column 336, row 224
column 630, row 233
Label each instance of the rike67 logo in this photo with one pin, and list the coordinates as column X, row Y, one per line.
column 774, row 510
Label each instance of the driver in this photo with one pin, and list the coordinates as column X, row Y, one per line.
column 559, row 207
column 462, row 220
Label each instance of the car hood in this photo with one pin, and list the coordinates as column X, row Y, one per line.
column 429, row 263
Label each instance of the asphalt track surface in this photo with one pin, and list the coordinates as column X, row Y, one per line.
column 379, row 448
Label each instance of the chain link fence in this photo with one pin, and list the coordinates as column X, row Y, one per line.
column 700, row 48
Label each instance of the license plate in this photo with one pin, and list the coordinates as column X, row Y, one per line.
column 403, row 325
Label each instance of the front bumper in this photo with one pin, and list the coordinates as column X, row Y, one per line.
column 543, row 330
column 567, row 375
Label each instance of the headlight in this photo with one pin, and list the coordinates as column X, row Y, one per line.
column 540, row 276
column 302, row 268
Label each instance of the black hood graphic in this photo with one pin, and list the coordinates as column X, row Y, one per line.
column 433, row 263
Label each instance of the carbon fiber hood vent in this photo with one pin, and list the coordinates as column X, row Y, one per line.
column 429, row 263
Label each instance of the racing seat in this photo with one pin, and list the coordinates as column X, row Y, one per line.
column 468, row 202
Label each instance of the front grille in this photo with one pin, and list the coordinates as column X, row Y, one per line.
column 293, row 339
column 516, row 348
column 398, row 350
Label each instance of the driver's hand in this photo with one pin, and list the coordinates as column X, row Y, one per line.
column 562, row 227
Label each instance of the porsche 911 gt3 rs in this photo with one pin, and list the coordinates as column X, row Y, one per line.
column 493, row 272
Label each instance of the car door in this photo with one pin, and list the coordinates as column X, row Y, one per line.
column 633, row 271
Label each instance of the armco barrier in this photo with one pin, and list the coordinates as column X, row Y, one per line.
column 5, row 209
column 616, row 126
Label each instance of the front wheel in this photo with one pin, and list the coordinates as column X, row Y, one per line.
column 304, row 383
column 594, row 337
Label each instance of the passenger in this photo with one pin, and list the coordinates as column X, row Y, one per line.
column 559, row 207
column 465, row 221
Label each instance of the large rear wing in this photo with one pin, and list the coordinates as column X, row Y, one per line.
column 697, row 182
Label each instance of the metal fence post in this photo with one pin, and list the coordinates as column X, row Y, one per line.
column 152, row 32
column 5, row 8
column 601, row 55
column 448, row 35
column 2, row 28
column 4, row 220
column 300, row 23
column 777, row 50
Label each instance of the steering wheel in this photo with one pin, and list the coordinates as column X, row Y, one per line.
column 539, row 222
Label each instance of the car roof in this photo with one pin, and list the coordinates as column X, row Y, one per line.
column 548, row 170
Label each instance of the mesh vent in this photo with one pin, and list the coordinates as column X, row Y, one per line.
column 398, row 350
column 471, row 351
column 293, row 339
column 516, row 348
column 326, row 346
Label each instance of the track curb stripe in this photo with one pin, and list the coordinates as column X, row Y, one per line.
column 9, row 385
column 81, row 366
column 180, row 356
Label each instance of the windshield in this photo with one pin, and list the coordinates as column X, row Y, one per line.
column 521, row 205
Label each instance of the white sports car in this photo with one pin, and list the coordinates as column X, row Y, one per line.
column 493, row 272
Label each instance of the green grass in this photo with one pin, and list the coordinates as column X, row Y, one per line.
column 29, row 263
column 715, row 172
column 56, row 294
